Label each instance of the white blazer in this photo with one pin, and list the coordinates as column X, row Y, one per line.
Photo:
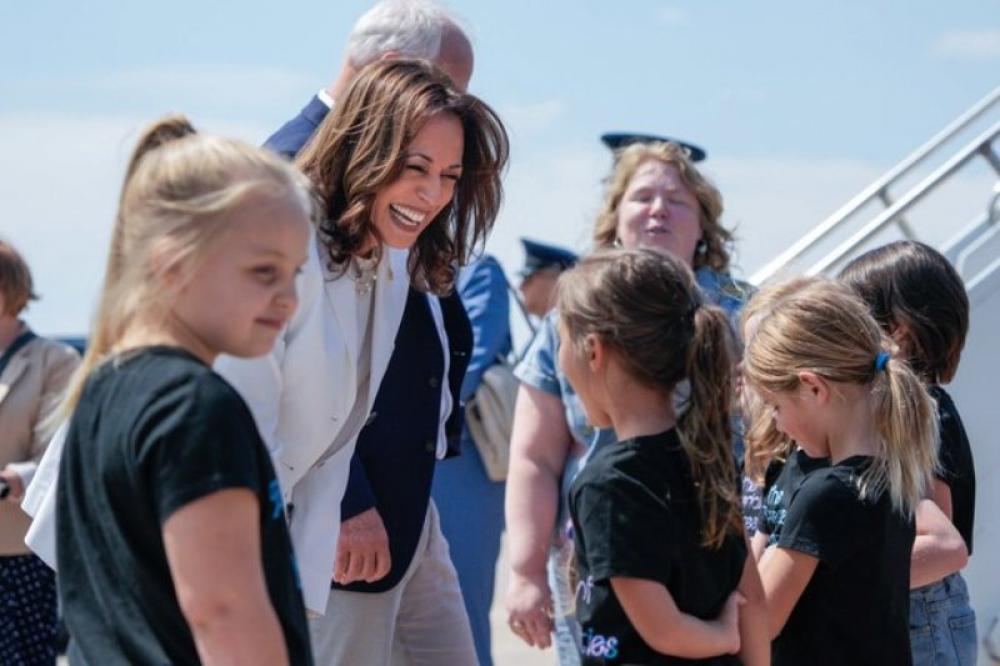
column 302, row 393
column 300, row 396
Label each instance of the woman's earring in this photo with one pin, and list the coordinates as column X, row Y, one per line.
column 617, row 242
column 701, row 247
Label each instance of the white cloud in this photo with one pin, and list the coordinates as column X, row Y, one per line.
column 59, row 184
column 670, row 15
column 970, row 44
column 743, row 94
column 773, row 201
column 60, row 179
column 235, row 90
column 550, row 196
column 531, row 117
column 235, row 84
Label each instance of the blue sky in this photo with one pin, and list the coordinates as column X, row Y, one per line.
column 800, row 104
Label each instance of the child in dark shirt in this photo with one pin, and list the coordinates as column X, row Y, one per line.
column 775, row 463
column 919, row 300
column 171, row 540
column 779, row 466
column 837, row 580
column 661, row 552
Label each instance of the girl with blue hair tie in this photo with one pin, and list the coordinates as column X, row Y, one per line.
column 820, row 374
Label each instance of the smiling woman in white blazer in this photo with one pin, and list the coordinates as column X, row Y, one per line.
column 408, row 173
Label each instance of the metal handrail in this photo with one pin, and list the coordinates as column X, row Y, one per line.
column 992, row 229
column 887, row 216
column 877, row 189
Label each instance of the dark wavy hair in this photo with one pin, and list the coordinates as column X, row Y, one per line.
column 911, row 284
column 360, row 149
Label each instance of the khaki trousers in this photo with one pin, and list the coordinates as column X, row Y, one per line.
column 420, row 622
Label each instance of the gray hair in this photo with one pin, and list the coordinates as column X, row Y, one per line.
column 412, row 28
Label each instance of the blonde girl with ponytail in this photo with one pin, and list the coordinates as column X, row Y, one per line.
column 661, row 554
column 773, row 462
column 171, row 540
column 837, row 579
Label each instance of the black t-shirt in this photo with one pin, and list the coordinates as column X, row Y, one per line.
column 957, row 468
column 635, row 514
column 780, row 482
column 855, row 608
column 152, row 432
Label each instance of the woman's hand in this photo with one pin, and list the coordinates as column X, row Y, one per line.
column 15, row 487
column 529, row 608
column 362, row 549
column 540, row 444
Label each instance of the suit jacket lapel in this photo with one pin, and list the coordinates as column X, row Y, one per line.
column 391, row 289
column 342, row 298
column 15, row 368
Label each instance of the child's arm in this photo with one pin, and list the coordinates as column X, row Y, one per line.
column 784, row 574
column 652, row 611
column 938, row 549
column 941, row 494
column 213, row 549
column 755, row 641
column 758, row 544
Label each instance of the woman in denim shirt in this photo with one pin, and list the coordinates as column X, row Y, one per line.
column 655, row 198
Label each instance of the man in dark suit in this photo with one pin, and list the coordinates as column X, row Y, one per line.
column 395, row 591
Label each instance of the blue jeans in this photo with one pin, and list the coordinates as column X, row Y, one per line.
column 942, row 624
column 567, row 633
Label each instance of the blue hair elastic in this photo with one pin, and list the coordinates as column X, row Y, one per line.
column 881, row 360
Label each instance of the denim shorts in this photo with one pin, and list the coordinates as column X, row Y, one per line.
column 567, row 629
column 942, row 624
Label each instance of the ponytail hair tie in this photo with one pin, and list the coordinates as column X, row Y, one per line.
column 881, row 360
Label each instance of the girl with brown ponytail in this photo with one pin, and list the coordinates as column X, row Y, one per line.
column 660, row 549
column 655, row 198
column 837, row 579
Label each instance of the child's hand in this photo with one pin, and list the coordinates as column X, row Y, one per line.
column 729, row 622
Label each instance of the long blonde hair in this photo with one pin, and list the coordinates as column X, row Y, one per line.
column 178, row 188
column 820, row 326
column 647, row 308
column 717, row 238
column 764, row 442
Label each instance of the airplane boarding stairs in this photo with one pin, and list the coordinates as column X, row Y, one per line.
column 960, row 164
